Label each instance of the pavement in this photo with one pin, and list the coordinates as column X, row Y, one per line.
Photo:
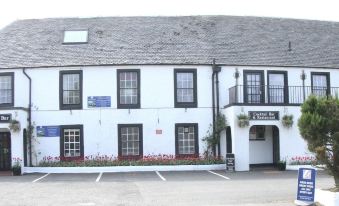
column 268, row 187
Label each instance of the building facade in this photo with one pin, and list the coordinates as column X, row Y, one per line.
column 136, row 86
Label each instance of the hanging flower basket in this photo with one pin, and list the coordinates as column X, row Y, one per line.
column 287, row 121
column 243, row 120
column 14, row 125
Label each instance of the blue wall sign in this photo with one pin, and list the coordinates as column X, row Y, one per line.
column 98, row 101
column 306, row 184
column 48, row 131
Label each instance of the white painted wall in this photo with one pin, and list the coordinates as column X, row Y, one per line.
column 157, row 110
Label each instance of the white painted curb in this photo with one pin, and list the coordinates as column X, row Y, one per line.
column 123, row 168
column 296, row 167
column 326, row 197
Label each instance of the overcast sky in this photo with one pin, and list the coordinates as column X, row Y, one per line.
column 11, row 10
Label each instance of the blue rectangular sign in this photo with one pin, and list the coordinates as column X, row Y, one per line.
column 306, row 184
column 48, row 131
column 98, row 101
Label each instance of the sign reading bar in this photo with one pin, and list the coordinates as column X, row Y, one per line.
column 263, row 115
column 230, row 164
column 48, row 131
column 306, row 185
column 98, row 101
column 5, row 118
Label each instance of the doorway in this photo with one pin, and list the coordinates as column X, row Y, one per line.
column 5, row 151
column 276, row 145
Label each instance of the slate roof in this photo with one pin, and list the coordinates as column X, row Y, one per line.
column 230, row 40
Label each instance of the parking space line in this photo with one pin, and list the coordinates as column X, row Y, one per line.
column 99, row 177
column 227, row 178
column 40, row 178
column 161, row 177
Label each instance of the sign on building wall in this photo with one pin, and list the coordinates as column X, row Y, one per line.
column 306, row 184
column 98, row 101
column 48, row 131
column 4, row 118
column 263, row 115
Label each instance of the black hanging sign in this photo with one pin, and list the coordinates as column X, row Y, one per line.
column 5, row 118
column 263, row 115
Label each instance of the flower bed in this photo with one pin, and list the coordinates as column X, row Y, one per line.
column 303, row 160
column 108, row 161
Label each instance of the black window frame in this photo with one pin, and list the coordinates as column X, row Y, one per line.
column 262, row 86
column 193, row 104
column 328, row 81
column 128, row 106
column 196, row 140
column 61, row 103
column 141, row 142
column 286, row 92
column 62, row 152
column 11, row 74
column 260, row 131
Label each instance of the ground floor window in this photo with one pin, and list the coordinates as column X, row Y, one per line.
column 257, row 132
column 186, row 140
column 71, row 143
column 130, row 140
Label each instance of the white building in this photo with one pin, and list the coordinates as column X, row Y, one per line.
column 133, row 86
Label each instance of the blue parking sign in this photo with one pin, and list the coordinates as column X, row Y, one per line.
column 306, row 184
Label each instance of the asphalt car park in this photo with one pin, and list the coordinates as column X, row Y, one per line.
column 267, row 187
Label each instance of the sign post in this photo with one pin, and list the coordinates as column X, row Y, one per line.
column 230, row 162
column 306, row 186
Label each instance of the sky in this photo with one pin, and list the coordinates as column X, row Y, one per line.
column 11, row 10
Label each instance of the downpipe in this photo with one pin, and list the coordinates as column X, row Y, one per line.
column 29, row 132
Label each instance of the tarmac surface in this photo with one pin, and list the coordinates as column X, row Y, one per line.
column 267, row 187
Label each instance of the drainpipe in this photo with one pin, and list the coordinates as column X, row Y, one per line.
column 29, row 132
column 213, row 104
column 216, row 70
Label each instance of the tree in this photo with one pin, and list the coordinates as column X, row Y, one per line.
column 319, row 126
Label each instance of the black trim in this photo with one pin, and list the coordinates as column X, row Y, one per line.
column 196, row 139
column 328, row 82
column 62, row 154
column 11, row 74
column 193, row 104
column 262, row 86
column 128, row 106
column 286, row 94
column 120, row 126
column 69, row 106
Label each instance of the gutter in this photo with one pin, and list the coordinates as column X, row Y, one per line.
column 213, row 104
column 29, row 136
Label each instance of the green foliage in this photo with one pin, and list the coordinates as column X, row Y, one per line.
column 243, row 120
column 319, row 126
column 14, row 125
column 287, row 121
column 212, row 139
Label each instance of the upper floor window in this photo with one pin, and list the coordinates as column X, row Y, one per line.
column 6, row 89
column 185, row 88
column 254, row 88
column 277, row 87
column 320, row 82
column 71, row 89
column 128, row 88
column 75, row 37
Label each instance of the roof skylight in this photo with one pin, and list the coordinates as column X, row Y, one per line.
column 75, row 37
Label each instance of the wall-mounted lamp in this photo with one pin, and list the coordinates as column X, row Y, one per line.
column 236, row 73
column 303, row 75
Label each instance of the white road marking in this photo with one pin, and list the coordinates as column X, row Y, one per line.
column 161, row 177
column 227, row 178
column 99, row 177
column 41, row 177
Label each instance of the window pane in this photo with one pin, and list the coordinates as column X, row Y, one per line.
column 130, row 140
column 128, row 82
column 276, row 88
column 5, row 89
column 71, row 142
column 75, row 36
column 71, row 88
column 319, row 84
column 186, row 140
